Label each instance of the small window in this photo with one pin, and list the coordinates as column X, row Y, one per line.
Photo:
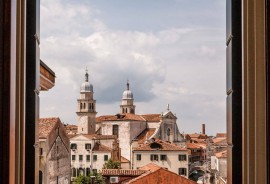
column 73, row 157
column 87, row 158
column 115, row 130
column 154, row 157
column 87, row 146
column 94, row 171
column 73, row 146
column 182, row 157
column 40, row 151
column 106, row 157
column 139, row 157
column 95, row 157
column 163, row 157
column 80, row 158
column 182, row 171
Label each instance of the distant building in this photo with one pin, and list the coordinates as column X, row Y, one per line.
column 90, row 151
column 150, row 173
column 197, row 152
column 219, row 166
column 163, row 154
column 54, row 152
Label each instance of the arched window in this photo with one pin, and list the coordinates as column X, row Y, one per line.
column 40, row 177
column 80, row 105
column 115, row 130
column 74, row 172
column 126, row 110
column 123, row 110
column 168, row 133
column 87, row 171
column 84, row 105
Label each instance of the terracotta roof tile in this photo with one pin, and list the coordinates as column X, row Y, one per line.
column 150, row 167
column 146, row 134
column 98, row 136
column 46, row 125
column 100, row 147
column 193, row 146
column 221, row 135
column 151, row 117
column 121, row 172
column 156, row 174
column 159, row 145
column 71, row 129
column 119, row 117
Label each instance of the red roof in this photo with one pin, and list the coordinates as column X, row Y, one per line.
column 193, row 146
column 121, row 172
column 221, row 135
column 159, row 145
column 156, row 174
column 151, row 117
column 119, row 117
column 45, row 126
column 146, row 134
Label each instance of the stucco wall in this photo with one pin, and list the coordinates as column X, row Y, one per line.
column 172, row 162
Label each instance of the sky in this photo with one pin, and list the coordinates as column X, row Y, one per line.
column 171, row 51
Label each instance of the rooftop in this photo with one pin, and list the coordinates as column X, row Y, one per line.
column 100, row 147
column 159, row 145
column 121, row 172
column 46, row 125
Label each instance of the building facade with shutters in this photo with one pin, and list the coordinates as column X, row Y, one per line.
column 163, row 154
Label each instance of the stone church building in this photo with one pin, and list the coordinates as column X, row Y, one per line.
column 126, row 125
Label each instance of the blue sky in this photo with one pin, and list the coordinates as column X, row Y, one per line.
column 173, row 52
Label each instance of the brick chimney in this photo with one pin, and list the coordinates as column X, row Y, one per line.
column 203, row 128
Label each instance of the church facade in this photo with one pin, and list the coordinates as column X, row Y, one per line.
column 125, row 125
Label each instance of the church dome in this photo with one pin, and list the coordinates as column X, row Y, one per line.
column 86, row 86
column 127, row 94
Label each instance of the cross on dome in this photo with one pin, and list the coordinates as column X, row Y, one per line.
column 86, row 75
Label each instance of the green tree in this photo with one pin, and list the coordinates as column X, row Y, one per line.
column 83, row 180
column 110, row 164
column 98, row 179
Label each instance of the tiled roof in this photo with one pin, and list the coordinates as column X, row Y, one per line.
column 161, row 145
column 193, row 146
column 220, row 141
column 100, row 147
column 146, row 134
column 46, row 125
column 124, row 160
column 71, row 129
column 151, row 117
column 98, row 136
column 222, row 154
column 150, row 167
column 156, row 174
column 196, row 135
column 221, row 135
column 121, row 172
column 119, row 117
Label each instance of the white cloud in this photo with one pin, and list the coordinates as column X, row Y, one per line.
column 181, row 66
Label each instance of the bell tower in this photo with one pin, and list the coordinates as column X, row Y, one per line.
column 86, row 106
column 127, row 101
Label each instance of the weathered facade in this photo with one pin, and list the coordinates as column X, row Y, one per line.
column 163, row 154
column 54, row 152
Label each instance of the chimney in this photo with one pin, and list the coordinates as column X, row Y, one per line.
column 203, row 128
